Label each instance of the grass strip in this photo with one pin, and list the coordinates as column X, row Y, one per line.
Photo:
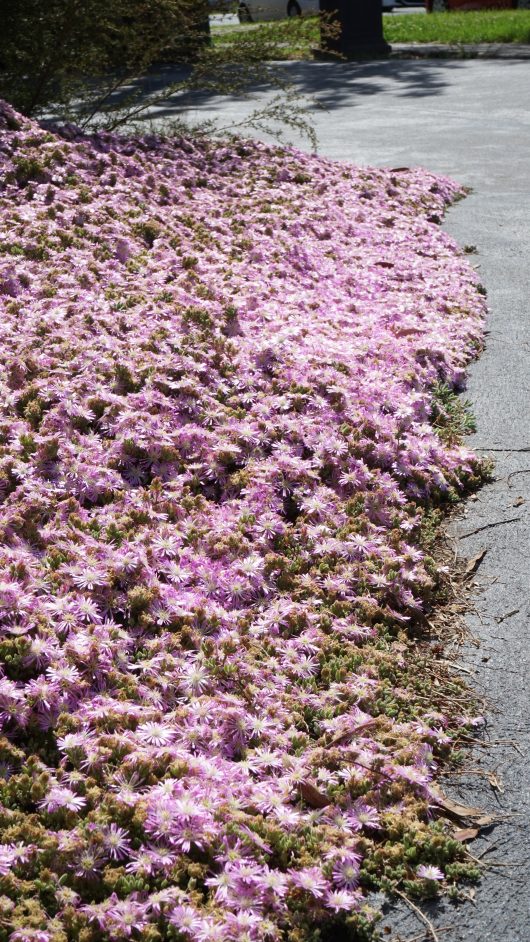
column 474, row 26
column 294, row 39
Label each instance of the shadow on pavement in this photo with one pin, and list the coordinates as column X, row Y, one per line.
column 331, row 86
column 337, row 84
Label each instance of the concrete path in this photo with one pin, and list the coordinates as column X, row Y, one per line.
column 459, row 50
column 471, row 120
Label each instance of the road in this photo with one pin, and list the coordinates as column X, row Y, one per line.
column 468, row 119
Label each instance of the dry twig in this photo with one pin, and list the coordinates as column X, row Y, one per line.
column 421, row 915
column 502, row 618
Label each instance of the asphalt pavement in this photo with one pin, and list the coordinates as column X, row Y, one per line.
column 469, row 119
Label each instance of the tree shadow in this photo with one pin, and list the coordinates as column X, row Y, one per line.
column 335, row 85
column 323, row 85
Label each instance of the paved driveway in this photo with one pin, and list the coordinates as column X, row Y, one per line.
column 469, row 119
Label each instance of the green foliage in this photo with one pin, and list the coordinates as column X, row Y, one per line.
column 93, row 63
column 451, row 415
column 50, row 51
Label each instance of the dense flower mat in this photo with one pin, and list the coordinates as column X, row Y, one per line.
column 216, row 454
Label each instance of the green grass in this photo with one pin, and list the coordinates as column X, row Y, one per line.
column 480, row 26
column 294, row 39
column 281, row 39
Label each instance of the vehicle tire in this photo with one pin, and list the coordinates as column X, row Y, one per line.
column 243, row 13
column 293, row 8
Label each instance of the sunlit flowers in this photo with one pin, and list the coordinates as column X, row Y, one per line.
column 222, row 380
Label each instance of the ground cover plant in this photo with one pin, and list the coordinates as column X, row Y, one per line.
column 227, row 382
column 293, row 39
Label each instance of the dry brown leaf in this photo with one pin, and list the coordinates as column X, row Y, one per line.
column 469, row 894
column 313, row 796
column 454, row 809
column 408, row 331
column 251, row 809
column 349, row 734
column 458, row 667
column 466, row 834
column 474, row 563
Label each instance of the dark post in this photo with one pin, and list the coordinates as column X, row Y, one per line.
column 198, row 29
column 361, row 28
column 203, row 21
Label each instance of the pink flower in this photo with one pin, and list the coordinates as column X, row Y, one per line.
column 428, row 872
column 59, row 798
column 338, row 900
column 346, row 870
column 186, row 919
column 116, row 842
column 224, row 369
column 127, row 917
column 30, row 935
column 309, row 879
column 13, row 854
column 156, row 734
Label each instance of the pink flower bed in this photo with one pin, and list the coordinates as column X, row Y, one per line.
column 216, row 448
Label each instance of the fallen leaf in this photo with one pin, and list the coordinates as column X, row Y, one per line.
column 473, row 564
column 495, row 782
column 485, row 820
column 313, row 797
column 455, row 810
column 458, row 667
column 251, row 809
column 466, row 834
column 469, row 894
column 351, row 733
column 408, row 331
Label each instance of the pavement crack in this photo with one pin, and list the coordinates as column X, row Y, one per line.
column 489, row 526
column 502, row 618
column 512, row 475
column 506, row 450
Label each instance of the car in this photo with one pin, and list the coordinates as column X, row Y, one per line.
column 250, row 11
